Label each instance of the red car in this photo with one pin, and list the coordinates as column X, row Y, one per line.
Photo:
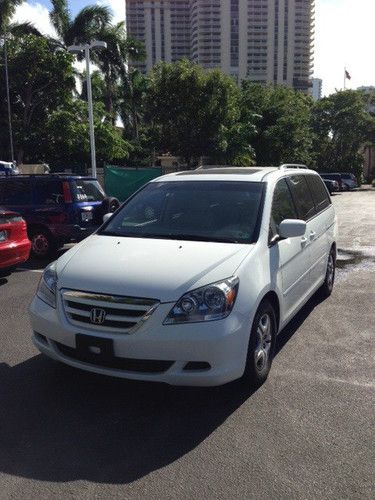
column 14, row 243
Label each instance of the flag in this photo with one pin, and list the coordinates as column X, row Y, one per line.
column 347, row 75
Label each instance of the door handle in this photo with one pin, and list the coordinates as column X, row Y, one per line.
column 312, row 235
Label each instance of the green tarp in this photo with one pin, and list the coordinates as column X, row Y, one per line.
column 123, row 182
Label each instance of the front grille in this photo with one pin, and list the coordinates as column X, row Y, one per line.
column 127, row 364
column 112, row 313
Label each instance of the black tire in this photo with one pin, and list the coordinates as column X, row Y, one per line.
column 261, row 346
column 42, row 243
column 326, row 289
column 4, row 273
column 109, row 205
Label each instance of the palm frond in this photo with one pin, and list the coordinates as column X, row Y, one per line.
column 88, row 23
column 7, row 9
column 60, row 17
column 23, row 29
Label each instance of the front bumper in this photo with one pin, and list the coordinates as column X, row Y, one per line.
column 222, row 344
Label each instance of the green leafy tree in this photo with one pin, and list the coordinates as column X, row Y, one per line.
column 41, row 81
column 68, row 142
column 191, row 111
column 341, row 126
column 282, row 119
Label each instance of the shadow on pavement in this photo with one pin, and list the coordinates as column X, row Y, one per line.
column 287, row 333
column 60, row 424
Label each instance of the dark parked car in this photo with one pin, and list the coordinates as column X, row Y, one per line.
column 14, row 243
column 334, row 177
column 58, row 209
column 349, row 180
column 332, row 186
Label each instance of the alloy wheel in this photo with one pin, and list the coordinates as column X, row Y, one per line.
column 263, row 342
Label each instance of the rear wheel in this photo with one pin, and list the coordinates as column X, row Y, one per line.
column 42, row 244
column 261, row 345
column 6, row 272
column 326, row 289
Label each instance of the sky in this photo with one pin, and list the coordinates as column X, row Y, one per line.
column 343, row 36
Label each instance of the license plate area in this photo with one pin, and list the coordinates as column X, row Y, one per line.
column 87, row 216
column 94, row 348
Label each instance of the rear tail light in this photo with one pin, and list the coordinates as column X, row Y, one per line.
column 67, row 193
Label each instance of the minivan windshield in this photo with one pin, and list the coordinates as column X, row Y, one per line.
column 87, row 190
column 189, row 210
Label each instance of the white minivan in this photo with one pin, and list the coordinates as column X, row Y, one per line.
column 190, row 281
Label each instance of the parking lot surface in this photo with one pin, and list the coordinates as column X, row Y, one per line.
column 307, row 433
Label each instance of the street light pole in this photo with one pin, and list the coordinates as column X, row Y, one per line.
column 91, row 111
column 8, row 100
column 76, row 49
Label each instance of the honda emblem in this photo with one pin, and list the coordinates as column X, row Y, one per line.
column 97, row 316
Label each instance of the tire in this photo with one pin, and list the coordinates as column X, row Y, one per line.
column 326, row 289
column 42, row 244
column 4, row 273
column 109, row 205
column 261, row 346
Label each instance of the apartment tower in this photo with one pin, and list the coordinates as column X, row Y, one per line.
column 267, row 41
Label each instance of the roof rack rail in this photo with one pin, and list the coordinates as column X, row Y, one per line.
column 293, row 165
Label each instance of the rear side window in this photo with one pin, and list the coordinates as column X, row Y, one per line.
column 15, row 192
column 319, row 192
column 282, row 207
column 48, row 193
column 87, row 190
column 302, row 196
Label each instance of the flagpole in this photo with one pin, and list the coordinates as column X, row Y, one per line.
column 344, row 78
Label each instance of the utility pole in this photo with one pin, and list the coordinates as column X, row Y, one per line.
column 76, row 49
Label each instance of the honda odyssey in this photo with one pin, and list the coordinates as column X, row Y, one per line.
column 191, row 280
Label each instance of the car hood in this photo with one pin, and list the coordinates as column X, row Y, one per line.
column 149, row 268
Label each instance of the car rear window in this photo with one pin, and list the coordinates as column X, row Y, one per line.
column 87, row 190
column 15, row 192
column 302, row 196
column 319, row 192
column 48, row 192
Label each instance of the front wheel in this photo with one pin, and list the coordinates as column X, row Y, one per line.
column 261, row 345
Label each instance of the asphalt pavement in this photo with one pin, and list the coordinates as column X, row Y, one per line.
column 307, row 433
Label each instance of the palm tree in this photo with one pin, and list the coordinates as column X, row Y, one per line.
column 113, row 63
column 86, row 26
column 94, row 22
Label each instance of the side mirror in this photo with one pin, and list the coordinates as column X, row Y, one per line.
column 107, row 216
column 291, row 228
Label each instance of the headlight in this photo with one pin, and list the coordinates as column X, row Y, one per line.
column 47, row 285
column 209, row 303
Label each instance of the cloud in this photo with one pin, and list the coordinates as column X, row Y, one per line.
column 36, row 14
column 344, row 38
column 117, row 7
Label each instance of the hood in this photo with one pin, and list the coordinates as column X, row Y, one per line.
column 148, row 268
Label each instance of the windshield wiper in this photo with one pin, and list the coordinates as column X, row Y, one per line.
column 182, row 237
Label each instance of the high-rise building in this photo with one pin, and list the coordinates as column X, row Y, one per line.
column 317, row 88
column 268, row 41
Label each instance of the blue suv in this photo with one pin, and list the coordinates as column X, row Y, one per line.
column 58, row 209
